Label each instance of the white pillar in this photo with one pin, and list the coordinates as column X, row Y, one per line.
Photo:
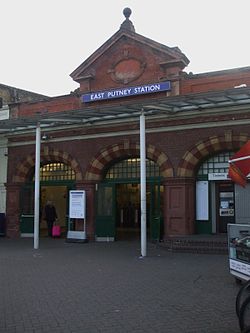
column 143, row 186
column 37, row 187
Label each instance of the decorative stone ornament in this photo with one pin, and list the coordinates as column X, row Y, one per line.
column 127, row 68
column 127, row 24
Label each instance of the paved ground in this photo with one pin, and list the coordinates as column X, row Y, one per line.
column 106, row 287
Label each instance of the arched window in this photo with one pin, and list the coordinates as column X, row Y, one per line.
column 130, row 168
column 215, row 164
column 56, row 171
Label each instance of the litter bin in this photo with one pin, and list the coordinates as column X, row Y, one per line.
column 2, row 224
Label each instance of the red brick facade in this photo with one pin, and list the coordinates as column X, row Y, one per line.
column 177, row 144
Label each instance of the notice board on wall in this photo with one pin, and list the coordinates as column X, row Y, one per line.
column 202, row 200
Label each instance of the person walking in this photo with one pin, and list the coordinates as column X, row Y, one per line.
column 50, row 216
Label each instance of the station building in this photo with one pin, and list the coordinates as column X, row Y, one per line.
column 90, row 141
column 8, row 95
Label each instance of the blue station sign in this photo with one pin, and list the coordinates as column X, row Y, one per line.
column 126, row 92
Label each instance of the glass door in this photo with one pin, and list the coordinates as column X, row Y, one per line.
column 27, row 210
column 155, row 210
column 105, row 214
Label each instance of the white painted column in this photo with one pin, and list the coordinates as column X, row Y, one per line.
column 143, row 186
column 37, row 187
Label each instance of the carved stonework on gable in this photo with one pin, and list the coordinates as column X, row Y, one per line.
column 127, row 68
column 129, row 57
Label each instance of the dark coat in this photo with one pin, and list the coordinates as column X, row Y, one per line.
column 50, row 213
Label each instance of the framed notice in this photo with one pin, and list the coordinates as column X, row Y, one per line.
column 77, row 204
column 202, row 200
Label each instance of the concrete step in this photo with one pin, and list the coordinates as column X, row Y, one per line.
column 209, row 246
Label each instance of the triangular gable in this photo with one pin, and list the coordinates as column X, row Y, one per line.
column 128, row 57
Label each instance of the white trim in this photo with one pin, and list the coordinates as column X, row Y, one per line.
column 26, row 234
column 76, row 235
column 105, row 239
column 134, row 132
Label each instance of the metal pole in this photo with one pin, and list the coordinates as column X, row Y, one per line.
column 239, row 159
column 143, row 186
column 37, row 187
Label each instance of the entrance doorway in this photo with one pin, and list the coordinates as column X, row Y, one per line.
column 59, row 197
column 118, row 202
column 118, row 211
column 219, row 207
column 127, row 211
column 56, row 179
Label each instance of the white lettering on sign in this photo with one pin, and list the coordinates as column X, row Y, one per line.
column 96, row 96
column 129, row 91
column 118, row 93
column 145, row 89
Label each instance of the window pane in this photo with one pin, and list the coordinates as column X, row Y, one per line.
column 130, row 168
column 105, row 201
column 215, row 164
column 56, row 171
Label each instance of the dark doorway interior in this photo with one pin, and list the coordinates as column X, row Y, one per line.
column 127, row 211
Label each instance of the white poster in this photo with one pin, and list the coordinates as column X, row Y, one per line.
column 77, row 204
column 202, row 200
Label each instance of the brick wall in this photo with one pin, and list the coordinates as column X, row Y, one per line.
column 213, row 81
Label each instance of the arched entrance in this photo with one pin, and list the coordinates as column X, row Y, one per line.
column 56, row 179
column 215, row 195
column 118, row 201
column 218, row 200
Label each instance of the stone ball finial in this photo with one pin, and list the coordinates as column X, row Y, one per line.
column 127, row 24
column 127, row 12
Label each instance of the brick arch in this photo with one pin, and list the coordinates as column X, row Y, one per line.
column 125, row 150
column 203, row 149
column 47, row 156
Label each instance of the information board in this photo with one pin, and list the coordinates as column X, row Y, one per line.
column 77, row 204
column 202, row 200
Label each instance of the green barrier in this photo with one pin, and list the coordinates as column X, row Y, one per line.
column 27, row 224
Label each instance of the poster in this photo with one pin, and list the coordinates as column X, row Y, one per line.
column 77, row 204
